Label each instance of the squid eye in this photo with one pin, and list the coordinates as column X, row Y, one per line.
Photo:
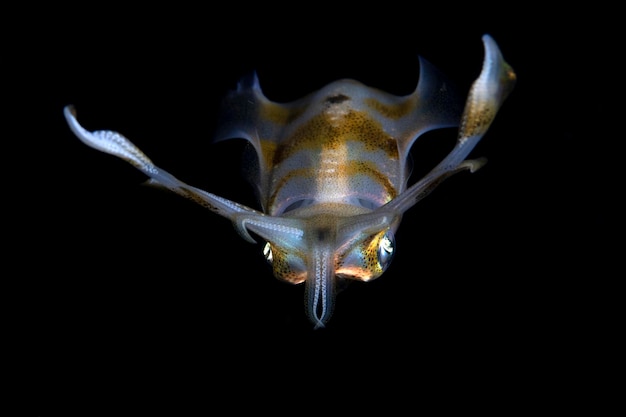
column 386, row 249
column 267, row 252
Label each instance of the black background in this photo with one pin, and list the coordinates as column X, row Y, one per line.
column 500, row 276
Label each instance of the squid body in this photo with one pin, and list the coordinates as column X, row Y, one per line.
column 331, row 169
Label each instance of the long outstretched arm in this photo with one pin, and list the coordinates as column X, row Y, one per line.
column 485, row 98
column 116, row 144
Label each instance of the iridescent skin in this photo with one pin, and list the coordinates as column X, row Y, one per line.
column 332, row 169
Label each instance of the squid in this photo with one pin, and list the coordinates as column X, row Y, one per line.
column 331, row 170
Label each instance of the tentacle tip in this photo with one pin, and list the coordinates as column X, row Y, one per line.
column 486, row 38
column 69, row 109
column 239, row 222
column 243, row 232
column 473, row 165
column 476, row 164
column 319, row 325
